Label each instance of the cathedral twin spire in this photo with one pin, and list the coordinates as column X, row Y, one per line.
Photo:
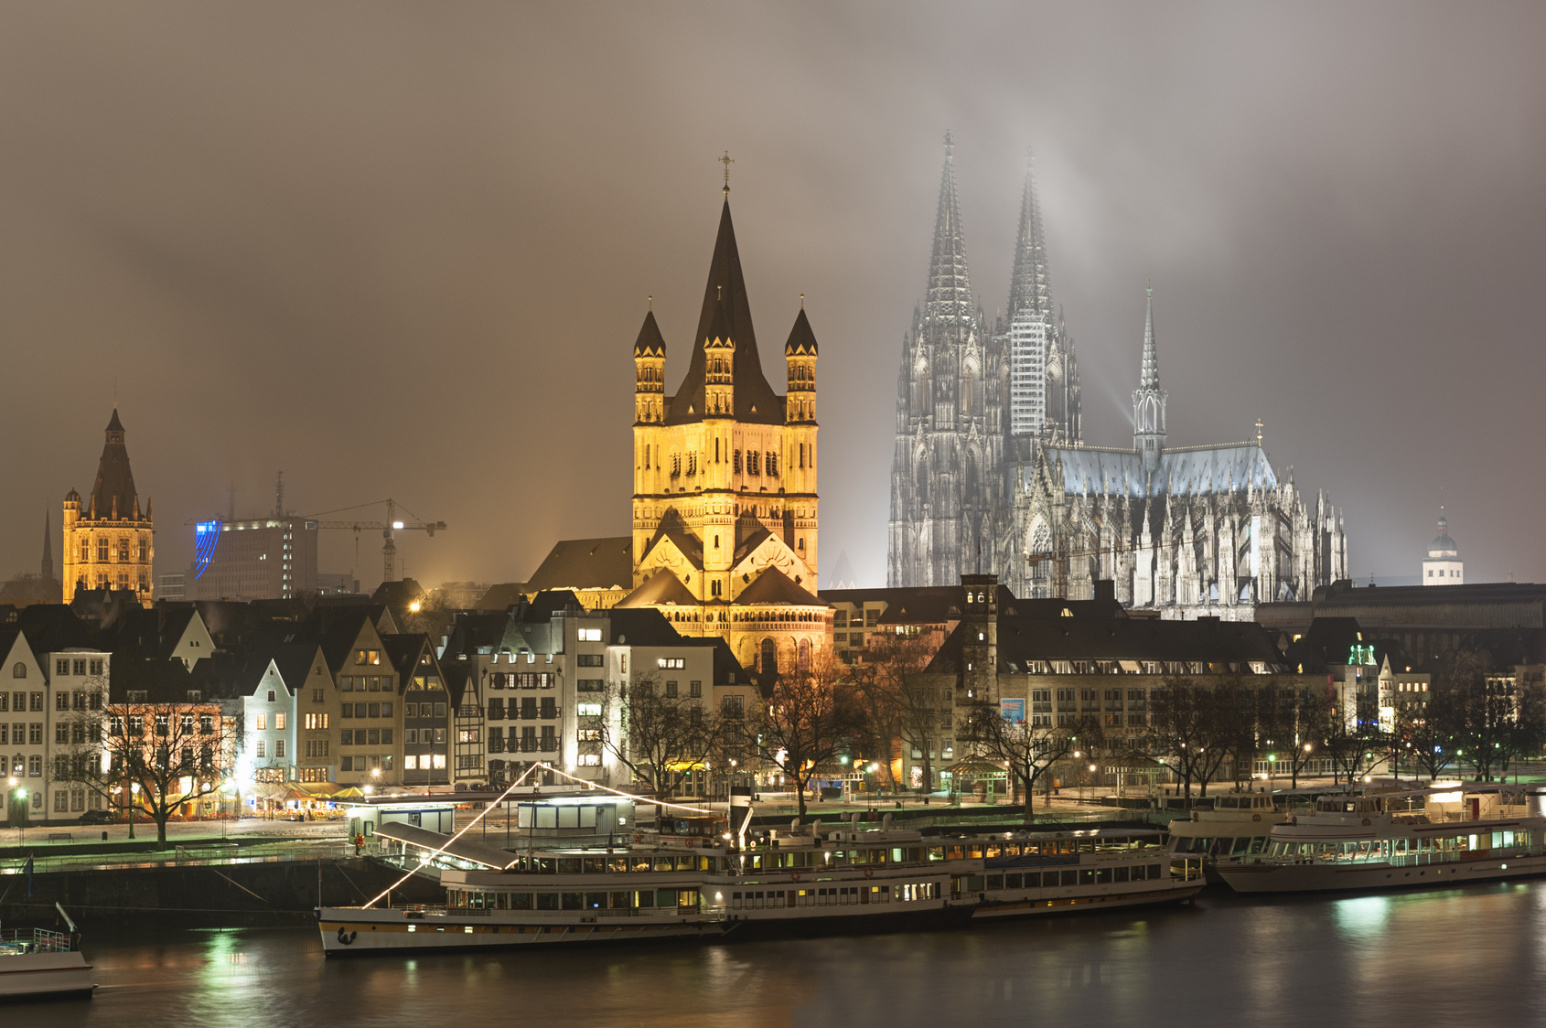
column 950, row 289
column 1029, row 288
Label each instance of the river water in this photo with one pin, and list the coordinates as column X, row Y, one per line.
column 1473, row 956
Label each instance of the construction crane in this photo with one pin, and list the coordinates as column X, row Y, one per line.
column 389, row 528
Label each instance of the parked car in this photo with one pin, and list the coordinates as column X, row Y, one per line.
column 97, row 817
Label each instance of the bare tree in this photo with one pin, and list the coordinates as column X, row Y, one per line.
column 810, row 720
column 899, row 708
column 1190, row 730
column 1028, row 752
column 155, row 757
column 659, row 737
column 1295, row 722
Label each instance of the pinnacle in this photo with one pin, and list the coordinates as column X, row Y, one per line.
column 950, row 291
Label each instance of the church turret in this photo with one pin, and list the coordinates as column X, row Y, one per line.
column 108, row 542
column 649, row 362
column 1149, row 398
column 800, row 438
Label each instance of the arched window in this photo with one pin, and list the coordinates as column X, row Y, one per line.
column 19, row 670
column 805, row 655
column 769, row 663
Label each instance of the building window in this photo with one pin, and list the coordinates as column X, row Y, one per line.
column 590, row 635
column 279, row 747
column 262, row 749
column 279, row 721
column 695, row 689
column 19, row 670
column 260, row 722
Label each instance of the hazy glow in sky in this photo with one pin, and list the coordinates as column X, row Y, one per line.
column 405, row 249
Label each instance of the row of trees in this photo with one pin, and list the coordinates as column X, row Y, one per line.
column 1202, row 729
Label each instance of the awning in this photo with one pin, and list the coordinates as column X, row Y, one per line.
column 461, row 849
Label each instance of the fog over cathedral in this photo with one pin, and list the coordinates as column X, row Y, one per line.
column 991, row 474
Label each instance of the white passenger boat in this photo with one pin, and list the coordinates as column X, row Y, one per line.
column 645, row 891
column 1038, row 873
column 1452, row 833
column 1236, row 828
column 35, row 963
column 807, row 880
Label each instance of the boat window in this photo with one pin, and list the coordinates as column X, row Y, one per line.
column 646, row 898
column 547, row 901
column 1012, row 881
column 995, row 882
column 664, row 862
column 1070, row 877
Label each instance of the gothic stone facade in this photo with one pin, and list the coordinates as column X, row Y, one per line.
column 990, row 473
column 725, row 506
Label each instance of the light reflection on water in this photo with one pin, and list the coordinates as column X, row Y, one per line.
column 1453, row 956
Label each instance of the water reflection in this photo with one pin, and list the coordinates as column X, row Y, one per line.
column 1406, row 958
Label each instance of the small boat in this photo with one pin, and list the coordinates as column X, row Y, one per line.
column 1236, row 828
column 1451, row 833
column 35, row 963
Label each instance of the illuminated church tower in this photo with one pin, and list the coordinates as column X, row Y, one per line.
column 725, row 508
column 108, row 542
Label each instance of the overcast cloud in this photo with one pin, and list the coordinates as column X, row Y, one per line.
column 404, row 249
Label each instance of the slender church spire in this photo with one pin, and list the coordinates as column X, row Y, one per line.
column 1149, row 398
column 48, row 551
column 1150, row 374
column 1029, row 287
column 950, row 290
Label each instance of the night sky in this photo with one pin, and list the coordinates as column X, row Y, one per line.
column 404, row 249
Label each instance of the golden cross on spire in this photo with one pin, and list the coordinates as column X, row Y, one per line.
column 726, row 160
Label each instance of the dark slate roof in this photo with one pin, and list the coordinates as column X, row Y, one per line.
column 586, row 564
column 295, row 661
column 151, row 632
column 471, row 634
column 457, row 679
column 773, row 586
column 724, row 301
column 547, row 603
column 650, row 343
column 337, row 629
column 114, row 487
column 53, row 626
column 404, row 650
column 801, row 339
column 503, row 596
column 397, row 596
column 162, row 681
column 1022, row 639
column 641, row 626
column 661, row 587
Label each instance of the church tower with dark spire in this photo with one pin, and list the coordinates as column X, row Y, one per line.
column 725, row 500
column 109, row 541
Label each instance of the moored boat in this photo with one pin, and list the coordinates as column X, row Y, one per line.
column 1398, row 839
column 35, row 962
column 1237, row 828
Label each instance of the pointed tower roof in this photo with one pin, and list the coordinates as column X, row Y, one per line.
column 802, row 340
column 1149, row 378
column 950, row 289
column 48, row 550
column 650, row 342
column 725, row 303
column 1029, row 286
column 115, row 482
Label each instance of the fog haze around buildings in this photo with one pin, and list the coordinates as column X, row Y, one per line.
column 404, row 250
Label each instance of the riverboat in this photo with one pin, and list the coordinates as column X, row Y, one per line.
column 1027, row 874
column 808, row 880
column 1237, row 828
column 35, row 963
column 644, row 889
column 1456, row 832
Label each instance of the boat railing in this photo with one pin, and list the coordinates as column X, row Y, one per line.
column 35, row 940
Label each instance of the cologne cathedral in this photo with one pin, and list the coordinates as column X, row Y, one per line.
column 990, row 473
